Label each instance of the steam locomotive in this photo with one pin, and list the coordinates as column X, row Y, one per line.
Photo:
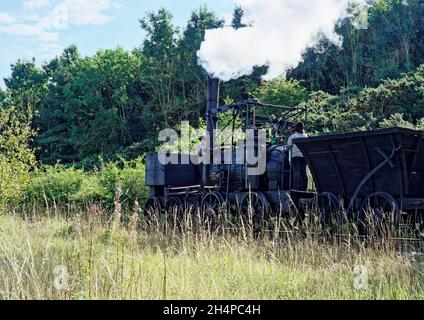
column 381, row 172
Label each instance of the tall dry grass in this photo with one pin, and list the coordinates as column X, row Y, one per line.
column 91, row 256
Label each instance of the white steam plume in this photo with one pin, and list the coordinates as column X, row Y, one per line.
column 279, row 32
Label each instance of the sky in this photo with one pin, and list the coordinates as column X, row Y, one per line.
column 43, row 28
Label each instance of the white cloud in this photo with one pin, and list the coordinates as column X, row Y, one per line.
column 6, row 19
column 31, row 31
column 56, row 20
column 281, row 30
column 35, row 4
column 82, row 12
column 42, row 27
column 74, row 12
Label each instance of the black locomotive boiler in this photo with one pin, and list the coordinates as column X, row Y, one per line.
column 380, row 170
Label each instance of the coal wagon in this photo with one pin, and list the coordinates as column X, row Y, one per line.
column 382, row 170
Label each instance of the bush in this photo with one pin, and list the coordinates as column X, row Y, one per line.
column 64, row 185
column 90, row 191
column 397, row 120
column 333, row 114
column 16, row 157
column 129, row 176
column 55, row 184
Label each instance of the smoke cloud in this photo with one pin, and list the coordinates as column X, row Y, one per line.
column 278, row 33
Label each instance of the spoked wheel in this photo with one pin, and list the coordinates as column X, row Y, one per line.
column 213, row 209
column 329, row 207
column 174, row 212
column 152, row 211
column 412, row 225
column 191, row 208
column 287, row 211
column 380, row 215
column 255, row 211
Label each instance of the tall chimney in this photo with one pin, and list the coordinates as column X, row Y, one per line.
column 213, row 100
column 212, row 122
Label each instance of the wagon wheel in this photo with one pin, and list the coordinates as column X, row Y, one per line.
column 213, row 208
column 329, row 207
column 255, row 210
column 379, row 215
column 174, row 212
column 152, row 211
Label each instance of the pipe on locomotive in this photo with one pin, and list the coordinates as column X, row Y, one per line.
column 211, row 120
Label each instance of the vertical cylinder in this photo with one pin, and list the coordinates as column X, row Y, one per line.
column 212, row 108
column 211, row 120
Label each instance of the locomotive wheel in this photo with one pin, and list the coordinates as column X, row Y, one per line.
column 255, row 210
column 289, row 213
column 174, row 211
column 191, row 211
column 213, row 207
column 191, row 206
column 286, row 208
column 152, row 211
column 380, row 214
column 329, row 207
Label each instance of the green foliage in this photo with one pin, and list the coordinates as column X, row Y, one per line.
column 397, row 120
column 131, row 179
column 90, row 109
column 90, row 191
column 53, row 184
column 332, row 114
column 173, row 80
column 405, row 96
column 116, row 102
column 63, row 185
column 281, row 92
column 27, row 85
column 391, row 45
column 16, row 156
column 393, row 103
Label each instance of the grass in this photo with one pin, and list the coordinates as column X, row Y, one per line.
column 86, row 256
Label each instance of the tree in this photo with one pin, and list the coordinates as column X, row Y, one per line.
column 190, row 76
column 237, row 21
column 91, row 106
column 99, row 103
column 390, row 46
column 3, row 97
column 54, row 123
column 27, row 86
column 159, row 56
column 396, row 102
column 16, row 157
column 170, row 74
column 281, row 92
column 404, row 96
